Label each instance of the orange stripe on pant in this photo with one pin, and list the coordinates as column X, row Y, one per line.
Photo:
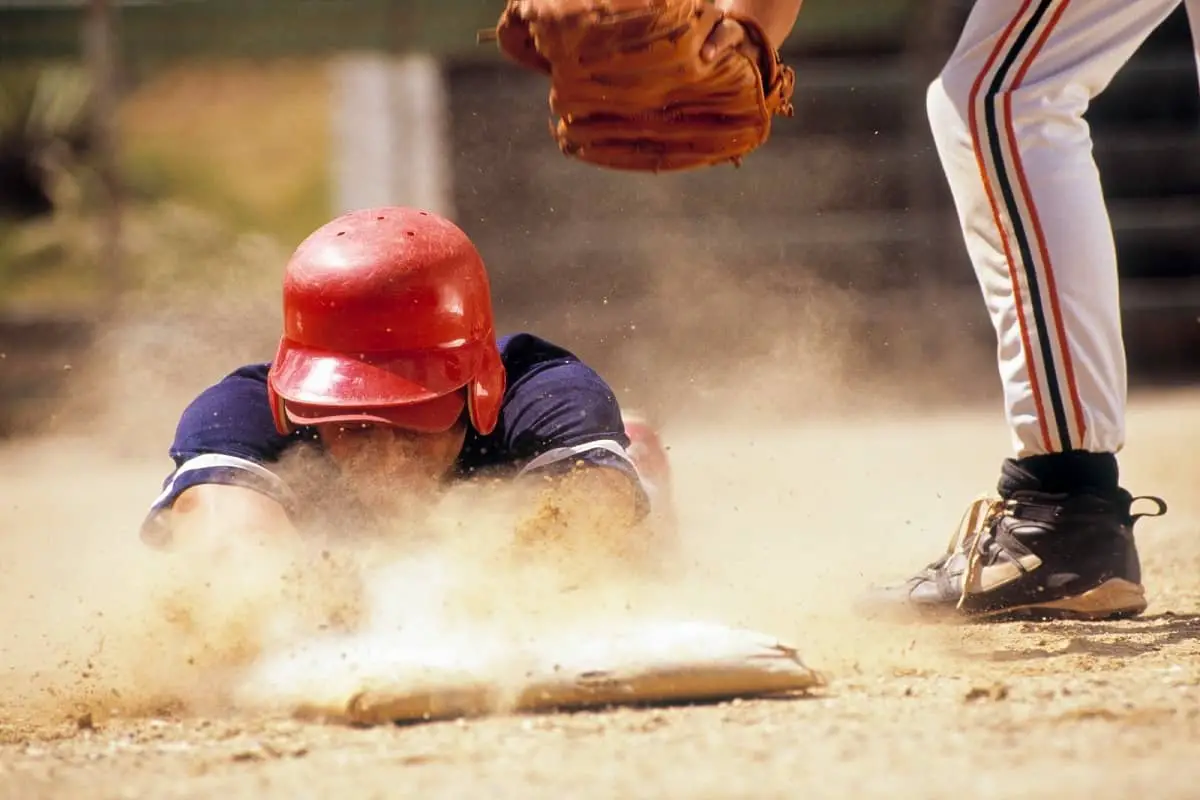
column 1014, row 276
column 1051, row 287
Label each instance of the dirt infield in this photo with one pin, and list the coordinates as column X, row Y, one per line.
column 784, row 527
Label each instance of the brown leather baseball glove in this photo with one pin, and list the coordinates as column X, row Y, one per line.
column 629, row 88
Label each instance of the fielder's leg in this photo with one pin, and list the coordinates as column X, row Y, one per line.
column 1007, row 118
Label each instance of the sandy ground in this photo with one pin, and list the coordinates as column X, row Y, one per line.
column 783, row 528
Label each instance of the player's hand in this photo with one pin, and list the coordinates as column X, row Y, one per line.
column 727, row 35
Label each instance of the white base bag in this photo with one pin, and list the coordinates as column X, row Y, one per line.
column 387, row 677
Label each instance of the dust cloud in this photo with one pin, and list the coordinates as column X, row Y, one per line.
column 794, row 492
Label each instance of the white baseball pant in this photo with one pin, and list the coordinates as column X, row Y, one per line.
column 1007, row 119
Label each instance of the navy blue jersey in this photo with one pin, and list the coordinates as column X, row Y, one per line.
column 556, row 412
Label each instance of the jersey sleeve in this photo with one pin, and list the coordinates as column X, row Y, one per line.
column 227, row 436
column 558, row 414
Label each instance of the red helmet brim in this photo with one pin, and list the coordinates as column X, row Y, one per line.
column 431, row 416
column 419, row 391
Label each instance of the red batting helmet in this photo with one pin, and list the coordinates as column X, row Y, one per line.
column 387, row 317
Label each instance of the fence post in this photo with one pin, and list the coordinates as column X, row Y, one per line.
column 100, row 54
column 391, row 133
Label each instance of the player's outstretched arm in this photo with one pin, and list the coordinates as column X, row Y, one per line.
column 587, row 520
column 589, row 504
column 214, row 511
column 224, row 450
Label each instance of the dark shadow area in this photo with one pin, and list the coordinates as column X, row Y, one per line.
column 1107, row 639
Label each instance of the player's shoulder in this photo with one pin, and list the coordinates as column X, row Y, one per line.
column 555, row 407
column 243, row 387
column 523, row 351
column 527, row 356
column 546, row 379
column 230, row 417
column 255, row 373
column 540, row 370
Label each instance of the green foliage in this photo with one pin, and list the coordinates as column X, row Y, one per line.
column 165, row 174
column 197, row 185
column 169, row 249
column 46, row 169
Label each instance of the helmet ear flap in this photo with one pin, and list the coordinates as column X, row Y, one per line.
column 278, row 413
column 485, row 394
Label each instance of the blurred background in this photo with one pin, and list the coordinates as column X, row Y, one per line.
column 160, row 159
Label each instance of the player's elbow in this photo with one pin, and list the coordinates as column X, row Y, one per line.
column 211, row 512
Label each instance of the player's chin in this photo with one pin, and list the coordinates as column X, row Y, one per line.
column 395, row 492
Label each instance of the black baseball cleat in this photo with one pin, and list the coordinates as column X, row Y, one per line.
column 1034, row 555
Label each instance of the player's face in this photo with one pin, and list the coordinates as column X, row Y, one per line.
column 388, row 466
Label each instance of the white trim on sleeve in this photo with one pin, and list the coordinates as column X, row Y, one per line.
column 563, row 453
column 221, row 461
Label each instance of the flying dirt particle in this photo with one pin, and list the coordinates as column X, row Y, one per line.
column 650, row 724
column 228, row 732
column 1084, row 714
column 418, row 759
column 257, row 751
column 994, row 692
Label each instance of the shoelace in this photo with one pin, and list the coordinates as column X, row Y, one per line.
column 975, row 521
column 979, row 518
